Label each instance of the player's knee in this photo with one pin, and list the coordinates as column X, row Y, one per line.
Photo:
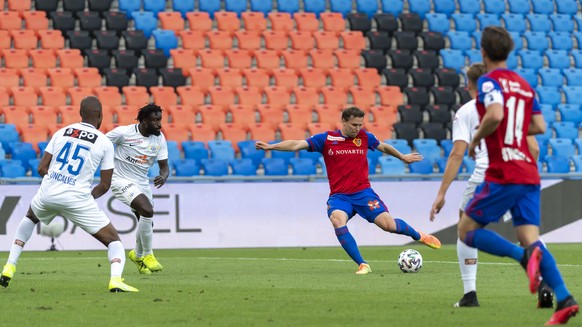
column 147, row 212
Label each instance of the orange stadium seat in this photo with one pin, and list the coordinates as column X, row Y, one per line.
column 183, row 58
column 202, row 133
column 190, row 95
column 24, row 39
column 384, row 114
column 292, row 132
column 341, row 78
column 33, row 77
column 248, row 96
column 9, row 20
column 306, row 96
column 126, row 115
column 275, row 40
column 87, row 77
column 228, row 77
column 24, row 96
column 254, row 21
column 347, row 58
column 202, row 77
column 70, row 115
column 390, row 95
column 270, row 115
column 52, row 96
column 171, row 21
column 281, row 21
column 306, row 21
column 267, row 59
column 193, row 40
column 313, row 77
column 164, row 96
column 333, row 22
column 285, row 78
column 262, row 132
column 316, row 128
column 4, row 97
column 35, row 20
column 136, row 95
column 9, row 77
column 326, row 40
column 368, row 78
column 277, row 96
column 107, row 123
column 182, row 115
column 227, row 21
column 19, row 5
column 382, row 131
column 43, row 116
column 234, row 133
column 219, row 40
column 199, row 21
column 363, row 98
column 212, row 59
column 353, row 40
column 43, row 58
column 108, row 95
column 178, row 133
column 322, row 59
column 212, row 116
column 243, row 115
column 299, row 115
column 247, row 40
column 240, row 59
column 34, row 134
column 61, row 77
column 301, row 40
column 295, row 59
column 15, row 58
column 70, row 58
column 221, row 96
column 334, row 96
column 256, row 77
column 17, row 116
column 51, row 39
column 328, row 114
column 5, row 40
column 77, row 94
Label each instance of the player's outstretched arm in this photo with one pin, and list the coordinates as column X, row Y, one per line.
column 290, row 145
column 104, row 184
column 452, row 168
column 160, row 180
column 43, row 165
column 406, row 158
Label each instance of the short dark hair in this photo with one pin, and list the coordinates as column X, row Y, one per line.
column 352, row 111
column 496, row 42
column 147, row 110
column 475, row 71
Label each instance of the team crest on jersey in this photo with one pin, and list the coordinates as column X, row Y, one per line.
column 487, row 87
column 357, row 141
column 81, row 135
column 374, row 204
column 154, row 148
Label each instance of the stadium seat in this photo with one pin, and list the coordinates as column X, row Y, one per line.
column 314, row 6
column 275, row 167
column 155, row 59
column 391, row 166
column 291, row 6
column 551, row 77
column 428, row 148
column 254, row 22
column 536, row 41
column 13, row 171
column 222, row 150
column 566, row 130
column 488, row 19
column 281, row 22
column 359, row 22
column 262, row 132
column 199, row 21
column 539, row 23
column 464, row 23
column 577, row 55
column 514, row 22
column 212, row 59
column 420, row 7
column 324, row 59
column 215, row 167
column 209, row 6
column 567, row 7
column 453, row 59
column 236, row 6
column 267, row 59
column 562, row 23
column 394, row 7
column 165, row 40
column 186, row 167
column 400, row 59
column 425, row 166
column 333, row 22
column 570, row 112
column 561, row 41
column 573, row 76
column 543, row 7
column 294, row 59
column 227, row 22
column 256, row 77
column 543, row 139
column 145, row 21
column 147, row 77
column 531, row 59
column 521, row 7
column 549, row 95
column 562, row 147
column 573, row 94
column 496, row 7
column 243, row 167
column 557, row 164
column 460, row 40
column 341, row 78
column 344, row 7
column 183, row 7
column 529, row 75
column 559, row 58
column 438, row 23
column 285, row 78
column 577, row 160
column 171, row 21
column 264, row 6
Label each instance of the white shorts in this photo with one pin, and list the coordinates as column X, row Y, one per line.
column 126, row 191
column 468, row 195
column 80, row 210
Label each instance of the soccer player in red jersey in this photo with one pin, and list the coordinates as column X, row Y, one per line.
column 508, row 113
column 345, row 155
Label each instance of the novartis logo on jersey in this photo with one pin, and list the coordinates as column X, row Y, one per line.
column 331, row 152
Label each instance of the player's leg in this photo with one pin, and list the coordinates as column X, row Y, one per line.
column 545, row 292
column 142, row 204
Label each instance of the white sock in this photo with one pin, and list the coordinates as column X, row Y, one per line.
column 145, row 229
column 23, row 234
column 468, row 263
column 116, row 256
column 138, row 247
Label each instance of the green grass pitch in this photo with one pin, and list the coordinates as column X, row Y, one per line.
column 275, row 287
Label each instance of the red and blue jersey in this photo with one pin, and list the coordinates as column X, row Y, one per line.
column 510, row 161
column 345, row 159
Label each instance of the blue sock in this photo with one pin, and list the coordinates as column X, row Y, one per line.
column 403, row 228
column 492, row 243
column 551, row 274
column 349, row 244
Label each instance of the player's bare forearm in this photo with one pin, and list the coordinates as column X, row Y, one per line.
column 98, row 191
column 289, row 145
column 160, row 180
column 537, row 125
column 104, row 184
column 43, row 165
column 390, row 150
column 534, row 147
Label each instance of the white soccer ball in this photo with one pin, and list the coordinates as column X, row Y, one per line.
column 54, row 229
column 410, row 261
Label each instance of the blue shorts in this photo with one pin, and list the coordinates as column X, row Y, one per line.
column 365, row 203
column 492, row 200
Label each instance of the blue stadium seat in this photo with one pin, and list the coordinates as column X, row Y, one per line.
column 519, row 7
column 488, row 20
column 33, row 163
column 187, row 167
column 561, row 41
column 174, row 152
column 562, row 23
column 391, row 166
column 578, row 143
column 13, row 171
column 145, row 21
column 313, row 156
column 275, row 167
column 558, row 58
column 221, row 150
column 570, row 112
column 289, row 6
column 368, row 7
column 343, row 7
column 209, row 6
column 421, row 7
column 453, row 59
column 5, row 162
column 531, row 59
column 539, row 23
column 284, row 155
column 549, row 95
column 577, row 55
column 517, row 41
column 544, row 138
column 529, row 75
column 566, row 130
column 447, row 7
column 474, row 56
column 573, row 76
column 543, row 7
column 469, row 165
column 573, row 94
column 264, row 6
column 371, row 168
column 562, row 147
column 578, row 35
column 496, row 7
column 8, row 134
column 41, row 146
column 512, row 60
column 477, row 36
column 567, row 7
column 243, row 167
column 248, row 150
column 577, row 160
column 442, row 164
column 152, row 172
column 438, row 23
column 399, row 144
column 549, row 115
column 578, row 20
column 314, row 6
column 129, row 6
column 196, row 154
column 472, row 7
column 425, row 166
column 303, row 166
column 447, row 146
column 2, row 152
column 193, row 145
column 551, row 77
column 183, row 6
column 514, row 22
column 165, row 40
column 394, row 7
column 321, row 163
column 373, row 157
column 24, row 152
column 460, row 40
column 154, row 6
column 558, row 164
column 215, row 167
column 537, row 41
column 464, row 22
column 428, row 148
column 237, row 6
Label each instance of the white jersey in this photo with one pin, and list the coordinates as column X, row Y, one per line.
column 77, row 151
column 465, row 126
column 135, row 154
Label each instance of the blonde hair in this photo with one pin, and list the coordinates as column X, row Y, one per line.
column 476, row 71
